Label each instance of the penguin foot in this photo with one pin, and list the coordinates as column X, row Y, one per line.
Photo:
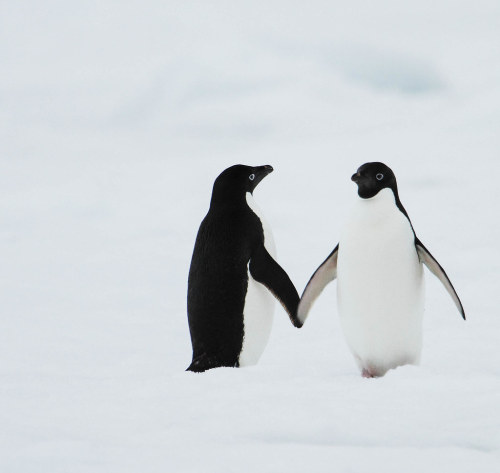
column 367, row 374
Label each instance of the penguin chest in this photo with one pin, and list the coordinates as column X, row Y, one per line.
column 259, row 304
column 380, row 285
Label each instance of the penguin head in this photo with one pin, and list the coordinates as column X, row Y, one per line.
column 371, row 178
column 240, row 178
column 237, row 180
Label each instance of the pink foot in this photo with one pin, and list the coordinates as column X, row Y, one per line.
column 366, row 374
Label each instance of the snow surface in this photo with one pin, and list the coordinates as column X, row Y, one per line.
column 116, row 117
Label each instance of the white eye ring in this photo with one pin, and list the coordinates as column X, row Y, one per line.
column 251, row 177
column 379, row 176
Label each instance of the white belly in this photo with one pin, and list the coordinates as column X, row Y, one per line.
column 380, row 286
column 259, row 304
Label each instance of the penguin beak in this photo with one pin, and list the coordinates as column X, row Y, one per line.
column 356, row 177
column 263, row 171
column 260, row 173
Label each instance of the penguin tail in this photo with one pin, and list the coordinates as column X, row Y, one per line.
column 197, row 367
column 204, row 362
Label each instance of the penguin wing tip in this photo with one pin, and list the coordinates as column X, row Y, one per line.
column 302, row 314
column 297, row 323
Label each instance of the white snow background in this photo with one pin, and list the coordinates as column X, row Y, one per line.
column 116, row 117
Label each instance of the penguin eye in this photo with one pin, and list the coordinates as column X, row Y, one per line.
column 251, row 177
column 379, row 176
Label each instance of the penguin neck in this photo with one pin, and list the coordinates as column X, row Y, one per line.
column 227, row 199
column 384, row 197
column 386, row 201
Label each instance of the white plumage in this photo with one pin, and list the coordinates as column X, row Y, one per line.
column 380, row 286
column 258, row 312
column 378, row 265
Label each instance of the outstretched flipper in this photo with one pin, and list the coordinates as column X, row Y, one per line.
column 267, row 271
column 435, row 268
column 325, row 274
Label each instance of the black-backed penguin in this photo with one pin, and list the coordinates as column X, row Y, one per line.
column 232, row 276
column 380, row 285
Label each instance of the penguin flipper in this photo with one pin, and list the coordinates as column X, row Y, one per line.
column 267, row 271
column 326, row 273
column 435, row 268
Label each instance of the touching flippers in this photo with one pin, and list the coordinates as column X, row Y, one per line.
column 267, row 271
column 325, row 274
column 438, row 271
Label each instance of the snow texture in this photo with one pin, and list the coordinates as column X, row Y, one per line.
column 115, row 119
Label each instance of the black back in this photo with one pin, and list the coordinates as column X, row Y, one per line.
column 218, row 276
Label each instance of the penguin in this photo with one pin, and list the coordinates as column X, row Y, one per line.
column 234, row 275
column 378, row 264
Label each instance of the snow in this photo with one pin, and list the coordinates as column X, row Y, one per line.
column 116, row 117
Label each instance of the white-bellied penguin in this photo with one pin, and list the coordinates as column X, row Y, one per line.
column 380, row 285
column 233, row 276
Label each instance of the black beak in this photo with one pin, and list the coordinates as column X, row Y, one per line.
column 260, row 173
column 356, row 177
